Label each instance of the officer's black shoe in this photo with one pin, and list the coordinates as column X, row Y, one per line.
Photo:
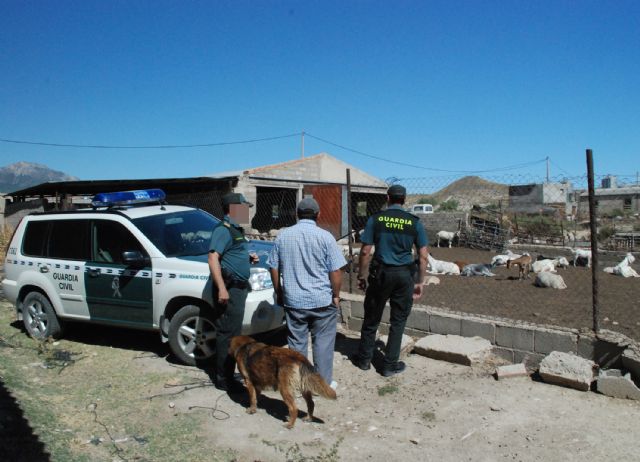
column 364, row 364
column 394, row 369
column 230, row 384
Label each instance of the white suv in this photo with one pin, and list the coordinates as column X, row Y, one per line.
column 131, row 261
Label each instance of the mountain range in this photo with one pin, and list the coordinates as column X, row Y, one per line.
column 22, row 175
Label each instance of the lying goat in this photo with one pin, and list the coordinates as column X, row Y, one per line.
column 582, row 253
column 477, row 269
column 524, row 265
column 547, row 279
column 548, row 265
column 501, row 260
column 624, row 268
column 562, row 261
column 447, row 236
column 442, row 267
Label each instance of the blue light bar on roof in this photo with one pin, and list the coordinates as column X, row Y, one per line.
column 128, row 197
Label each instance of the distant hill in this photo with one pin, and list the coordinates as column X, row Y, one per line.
column 469, row 191
column 25, row 174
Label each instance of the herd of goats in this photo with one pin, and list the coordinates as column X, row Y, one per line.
column 543, row 267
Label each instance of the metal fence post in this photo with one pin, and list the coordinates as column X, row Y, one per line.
column 349, row 225
column 594, row 241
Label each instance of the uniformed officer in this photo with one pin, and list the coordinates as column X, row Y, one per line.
column 229, row 262
column 392, row 276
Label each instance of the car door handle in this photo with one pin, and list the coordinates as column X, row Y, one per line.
column 44, row 269
column 94, row 272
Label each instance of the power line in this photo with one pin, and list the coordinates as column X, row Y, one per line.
column 164, row 146
column 511, row 167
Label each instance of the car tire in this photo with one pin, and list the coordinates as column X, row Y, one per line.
column 39, row 317
column 192, row 335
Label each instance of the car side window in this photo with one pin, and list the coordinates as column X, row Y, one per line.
column 69, row 240
column 110, row 239
column 34, row 243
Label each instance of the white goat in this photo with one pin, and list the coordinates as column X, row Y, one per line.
column 546, row 279
column 549, row 264
column 582, row 253
column 624, row 268
column 446, row 236
column 442, row 267
column 501, row 260
column 477, row 269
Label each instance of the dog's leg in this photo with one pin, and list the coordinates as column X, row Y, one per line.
column 253, row 397
column 310, row 406
column 290, row 401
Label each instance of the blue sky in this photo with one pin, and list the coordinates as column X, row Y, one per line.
column 459, row 86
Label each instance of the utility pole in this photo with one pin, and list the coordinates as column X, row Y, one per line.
column 547, row 169
column 302, row 146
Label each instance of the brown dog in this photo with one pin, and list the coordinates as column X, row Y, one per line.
column 264, row 366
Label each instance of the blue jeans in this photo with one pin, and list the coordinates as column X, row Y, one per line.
column 322, row 323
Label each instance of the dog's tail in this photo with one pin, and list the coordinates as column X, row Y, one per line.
column 313, row 382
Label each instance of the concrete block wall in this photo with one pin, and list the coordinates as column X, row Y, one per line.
column 513, row 340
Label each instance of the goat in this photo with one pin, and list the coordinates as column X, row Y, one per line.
column 447, row 236
column 624, row 268
column 582, row 253
column 524, row 265
column 477, row 269
column 549, row 264
column 546, row 279
column 442, row 267
column 501, row 260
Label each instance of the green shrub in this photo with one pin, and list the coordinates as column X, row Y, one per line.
column 449, row 206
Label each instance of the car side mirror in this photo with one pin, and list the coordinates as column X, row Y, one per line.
column 134, row 258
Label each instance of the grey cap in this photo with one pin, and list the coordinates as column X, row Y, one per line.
column 396, row 190
column 308, row 204
column 235, row 198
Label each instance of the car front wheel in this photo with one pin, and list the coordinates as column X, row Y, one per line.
column 39, row 317
column 192, row 335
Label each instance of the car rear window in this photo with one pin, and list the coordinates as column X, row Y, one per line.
column 62, row 239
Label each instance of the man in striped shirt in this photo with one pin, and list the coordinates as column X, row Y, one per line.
column 310, row 263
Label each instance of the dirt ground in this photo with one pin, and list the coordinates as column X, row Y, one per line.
column 505, row 296
column 126, row 400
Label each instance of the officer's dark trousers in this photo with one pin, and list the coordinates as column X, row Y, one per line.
column 395, row 285
column 228, row 324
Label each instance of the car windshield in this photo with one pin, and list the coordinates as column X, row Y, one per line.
column 179, row 234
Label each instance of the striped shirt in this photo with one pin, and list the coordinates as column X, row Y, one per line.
column 305, row 254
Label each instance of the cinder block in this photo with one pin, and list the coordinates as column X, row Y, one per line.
column 567, row 370
column 445, row 325
column 504, row 353
column 546, row 341
column 511, row 370
column 605, row 353
column 357, row 309
column 453, row 348
column 631, row 362
column 354, row 324
column 478, row 328
column 406, row 346
column 418, row 320
column 530, row 360
column 613, row 383
column 514, row 337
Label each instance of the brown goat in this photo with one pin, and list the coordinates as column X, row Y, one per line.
column 524, row 266
column 461, row 264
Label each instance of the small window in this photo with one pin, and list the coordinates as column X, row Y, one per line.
column 361, row 209
column 627, row 204
column 69, row 240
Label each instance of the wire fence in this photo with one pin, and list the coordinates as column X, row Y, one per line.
column 490, row 220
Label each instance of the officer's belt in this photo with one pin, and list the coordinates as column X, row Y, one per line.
column 386, row 267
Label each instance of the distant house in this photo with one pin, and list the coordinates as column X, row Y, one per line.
column 546, row 198
column 610, row 198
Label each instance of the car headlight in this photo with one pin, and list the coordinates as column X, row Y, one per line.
column 260, row 279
